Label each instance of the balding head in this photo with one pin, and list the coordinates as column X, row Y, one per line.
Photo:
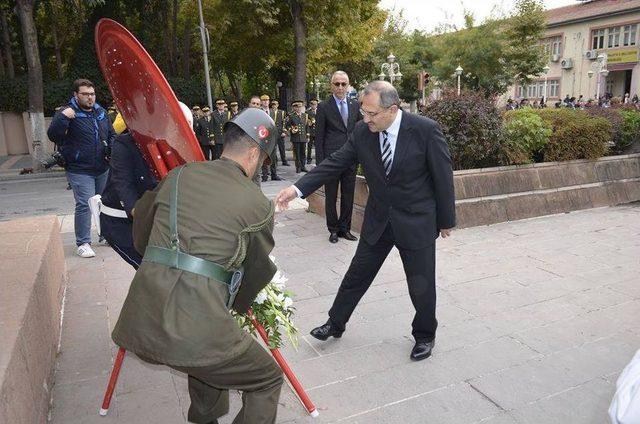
column 387, row 92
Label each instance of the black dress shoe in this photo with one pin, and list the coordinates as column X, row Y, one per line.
column 275, row 178
column 422, row 350
column 285, row 163
column 325, row 331
column 333, row 237
column 347, row 235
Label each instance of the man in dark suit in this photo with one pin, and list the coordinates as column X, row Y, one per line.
column 219, row 118
column 336, row 118
column 411, row 200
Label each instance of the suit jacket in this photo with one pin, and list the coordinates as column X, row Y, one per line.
column 297, row 127
column 279, row 117
column 130, row 176
column 331, row 134
column 417, row 197
column 179, row 318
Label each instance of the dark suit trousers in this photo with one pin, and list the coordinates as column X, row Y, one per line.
column 118, row 232
column 347, row 182
column 217, row 151
column 419, row 268
column 281, row 149
column 207, row 150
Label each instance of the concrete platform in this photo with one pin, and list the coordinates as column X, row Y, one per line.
column 537, row 319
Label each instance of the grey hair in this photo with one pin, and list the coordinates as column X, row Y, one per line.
column 340, row 73
column 388, row 93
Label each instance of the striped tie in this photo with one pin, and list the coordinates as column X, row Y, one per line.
column 387, row 154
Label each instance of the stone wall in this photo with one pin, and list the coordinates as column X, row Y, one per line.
column 33, row 273
column 491, row 195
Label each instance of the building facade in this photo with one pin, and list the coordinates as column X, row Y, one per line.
column 592, row 49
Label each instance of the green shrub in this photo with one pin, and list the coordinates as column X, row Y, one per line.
column 613, row 115
column 472, row 127
column 630, row 129
column 576, row 135
column 525, row 134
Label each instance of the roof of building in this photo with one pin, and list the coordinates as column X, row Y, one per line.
column 589, row 10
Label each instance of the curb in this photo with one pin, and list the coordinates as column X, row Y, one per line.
column 14, row 176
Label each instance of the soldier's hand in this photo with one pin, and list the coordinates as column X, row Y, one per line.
column 69, row 113
column 284, row 197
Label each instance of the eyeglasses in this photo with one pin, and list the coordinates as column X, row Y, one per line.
column 371, row 114
column 88, row 94
column 340, row 84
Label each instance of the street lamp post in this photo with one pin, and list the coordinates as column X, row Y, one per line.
column 546, row 71
column 458, row 73
column 205, row 55
column 390, row 69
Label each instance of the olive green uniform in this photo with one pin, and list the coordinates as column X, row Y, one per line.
column 311, row 132
column 180, row 318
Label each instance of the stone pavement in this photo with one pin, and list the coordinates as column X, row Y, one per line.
column 537, row 319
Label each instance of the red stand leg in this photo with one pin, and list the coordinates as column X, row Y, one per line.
column 115, row 372
column 288, row 372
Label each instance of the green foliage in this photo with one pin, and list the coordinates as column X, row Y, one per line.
column 576, row 135
column 630, row 129
column 525, row 135
column 472, row 127
column 523, row 55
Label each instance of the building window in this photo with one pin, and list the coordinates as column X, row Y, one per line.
column 598, row 39
column 614, row 37
column 552, row 87
column 552, row 45
column 629, row 37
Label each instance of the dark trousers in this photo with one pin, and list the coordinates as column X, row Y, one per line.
column 281, row 149
column 309, row 146
column 347, row 181
column 271, row 168
column 299, row 155
column 118, row 232
column 255, row 373
column 419, row 268
column 208, row 151
column 217, row 151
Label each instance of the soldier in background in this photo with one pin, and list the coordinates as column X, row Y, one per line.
column 297, row 129
column 311, row 113
column 219, row 117
column 233, row 108
column 204, row 133
column 279, row 117
column 264, row 102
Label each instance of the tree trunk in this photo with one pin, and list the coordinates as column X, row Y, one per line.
column 300, row 34
column 221, row 83
column 6, row 40
column 186, row 48
column 236, row 87
column 2, row 68
column 36, row 108
column 174, row 39
column 56, row 48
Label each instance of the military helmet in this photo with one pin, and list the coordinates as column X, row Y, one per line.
column 258, row 125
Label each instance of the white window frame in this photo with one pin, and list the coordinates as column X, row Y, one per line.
column 613, row 37
column 552, row 87
column 629, row 35
column 597, row 38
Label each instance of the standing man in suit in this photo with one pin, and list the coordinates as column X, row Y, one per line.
column 411, row 201
column 335, row 120
column 204, row 133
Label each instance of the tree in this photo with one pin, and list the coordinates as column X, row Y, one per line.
column 36, row 106
column 524, row 29
column 6, row 42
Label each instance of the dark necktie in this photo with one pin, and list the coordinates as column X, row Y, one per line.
column 387, row 154
column 344, row 113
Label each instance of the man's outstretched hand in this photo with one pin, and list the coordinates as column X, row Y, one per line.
column 285, row 196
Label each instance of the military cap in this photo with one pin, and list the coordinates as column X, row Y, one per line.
column 264, row 97
column 206, row 109
column 297, row 102
column 196, row 107
column 274, row 102
column 233, row 104
column 220, row 101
